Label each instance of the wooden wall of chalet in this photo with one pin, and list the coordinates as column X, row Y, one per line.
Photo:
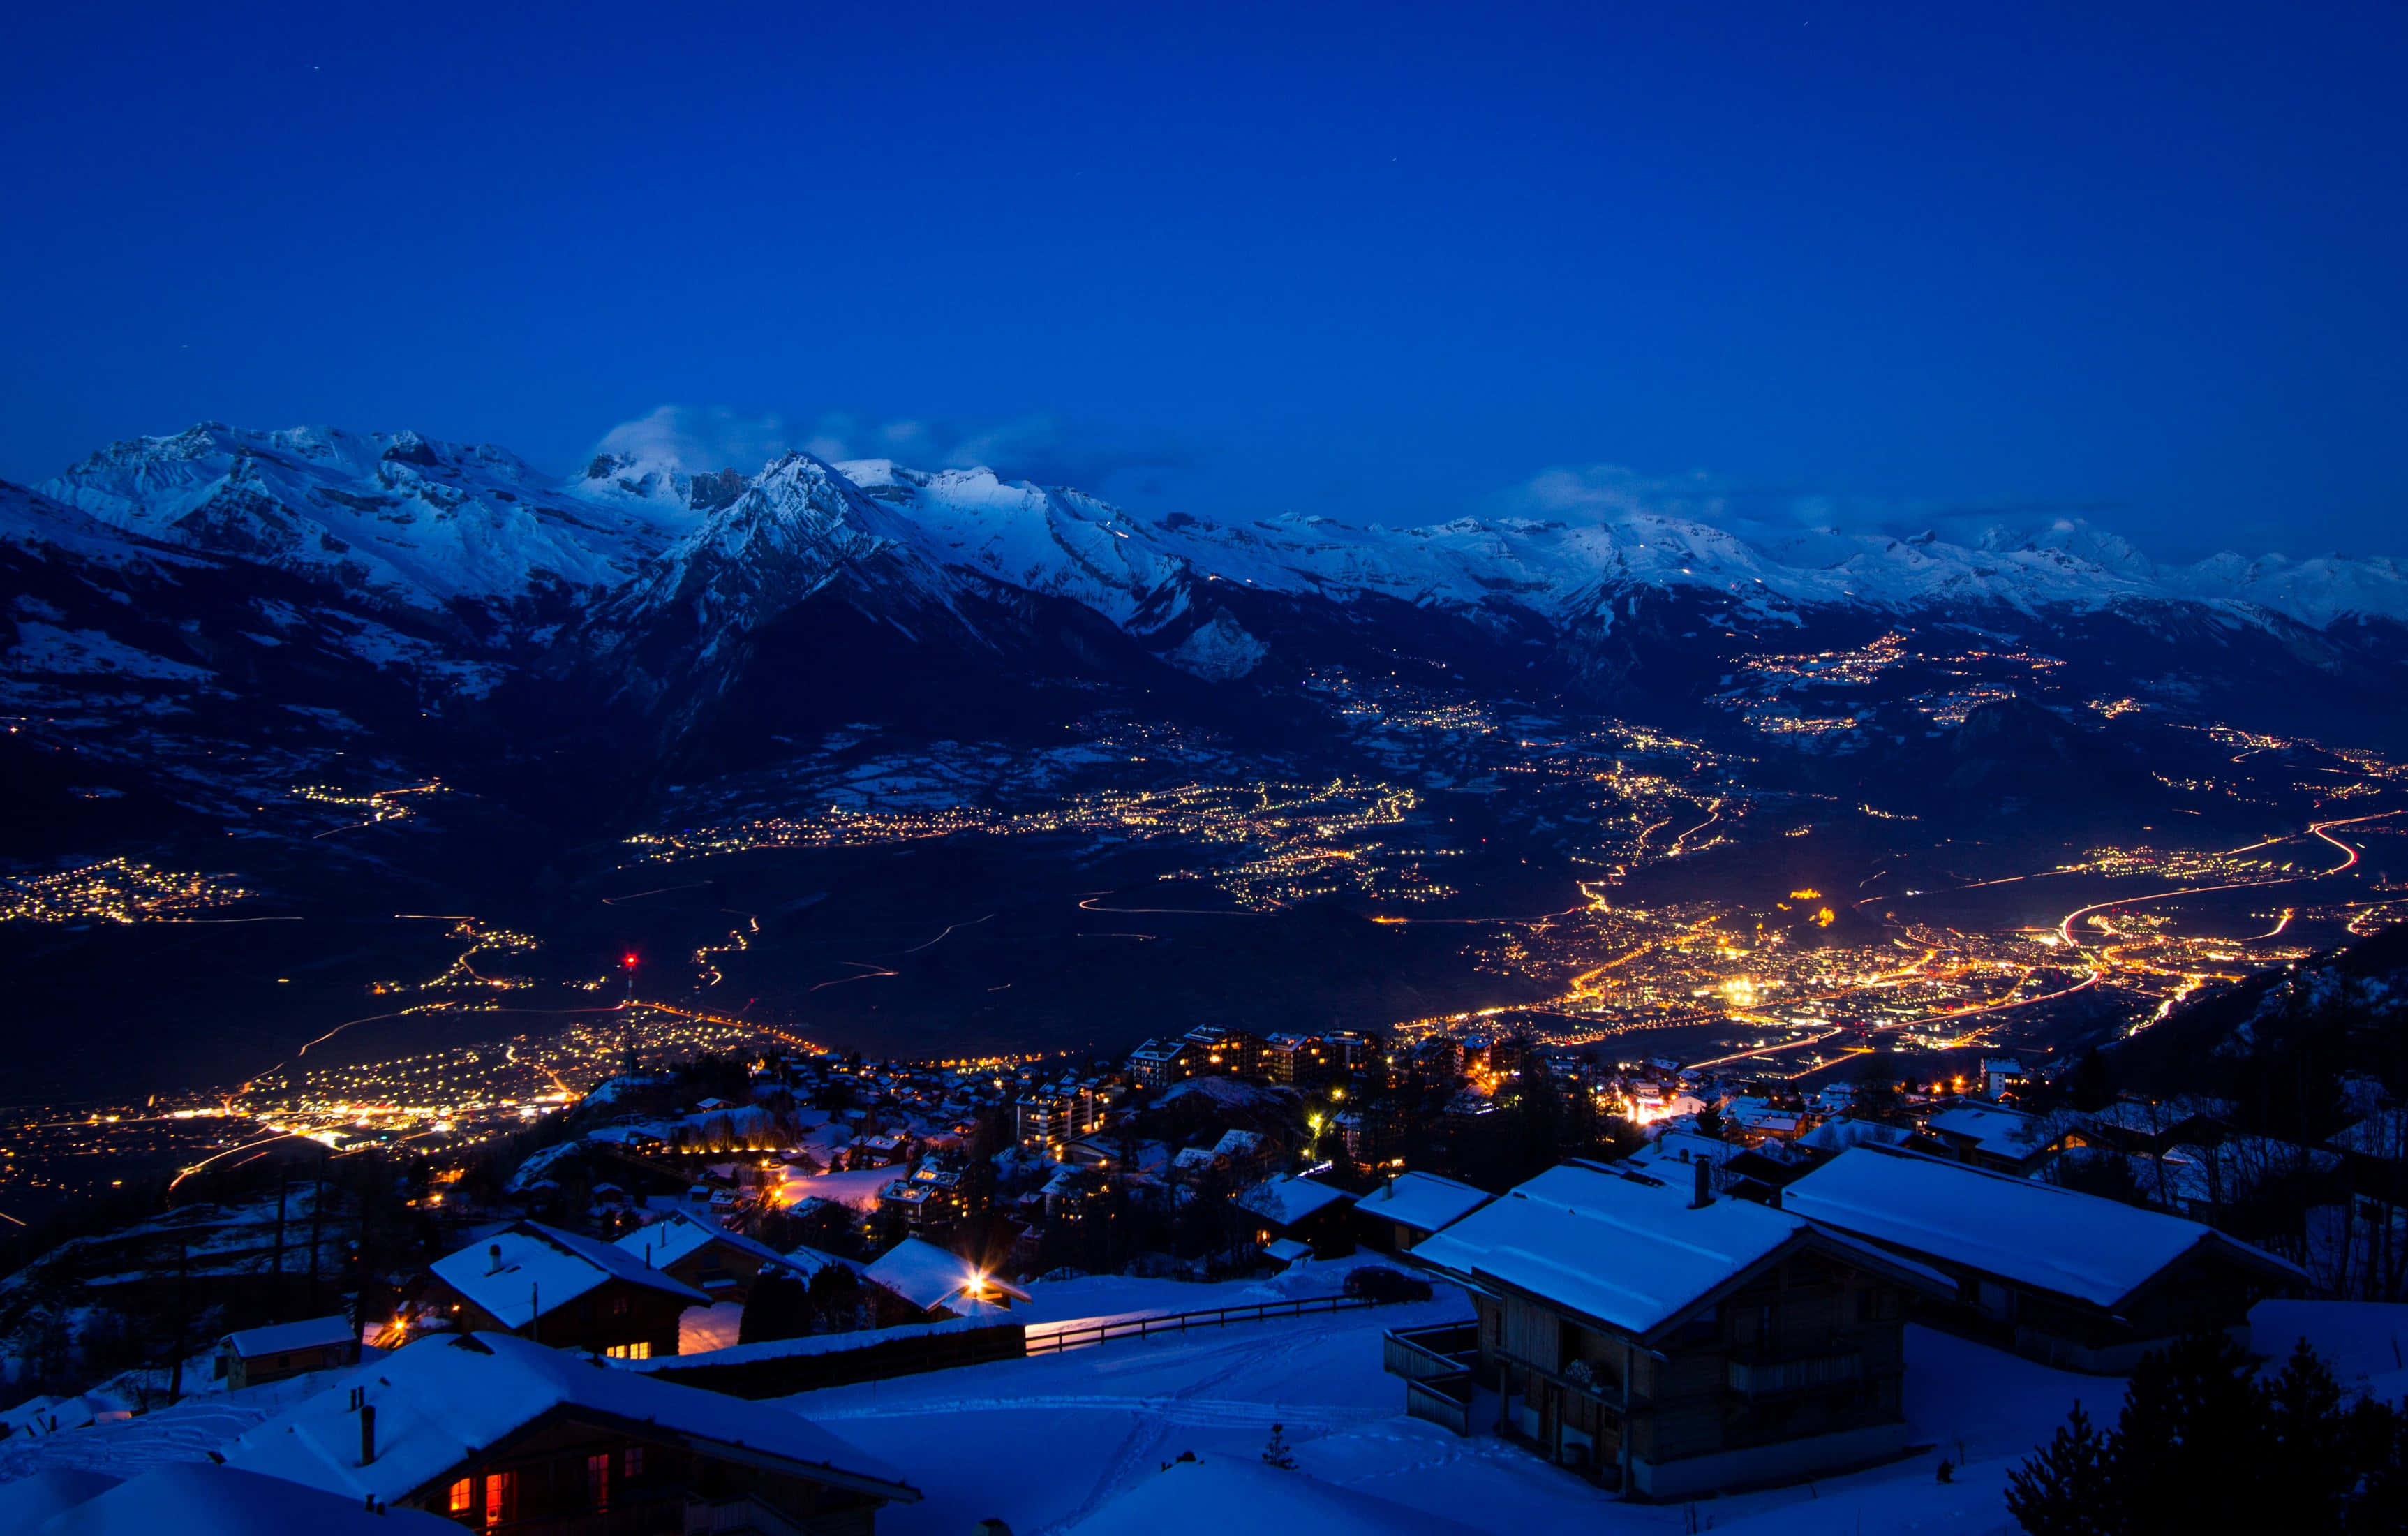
column 551, row 1484
column 1685, row 1404
column 615, row 1313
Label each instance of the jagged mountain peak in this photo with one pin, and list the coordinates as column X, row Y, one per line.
column 404, row 519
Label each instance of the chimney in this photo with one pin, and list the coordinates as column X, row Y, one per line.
column 495, row 1254
column 1705, row 1195
column 367, row 1433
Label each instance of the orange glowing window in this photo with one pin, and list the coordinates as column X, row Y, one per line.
column 500, row 1487
column 464, row 1495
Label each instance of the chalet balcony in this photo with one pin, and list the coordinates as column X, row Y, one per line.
column 1437, row 1365
column 1443, row 1349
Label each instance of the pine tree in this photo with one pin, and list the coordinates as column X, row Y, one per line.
column 779, row 1307
column 2377, row 1436
column 2188, row 1450
column 2066, row 1487
column 2308, row 1455
column 1277, row 1452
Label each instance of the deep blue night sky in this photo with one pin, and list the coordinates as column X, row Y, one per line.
column 1386, row 260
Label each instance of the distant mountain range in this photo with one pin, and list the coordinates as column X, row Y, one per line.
column 397, row 584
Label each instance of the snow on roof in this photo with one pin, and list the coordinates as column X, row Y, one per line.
column 28, row 1501
column 1288, row 1250
column 2035, row 1234
column 197, row 1499
column 1840, row 1135
column 446, row 1397
column 2382, row 1134
column 2006, row 1133
column 1287, row 1199
column 1217, row 1494
column 310, row 1333
column 1227, row 1092
column 929, row 1277
column 679, row 1236
column 1423, row 1201
column 1623, row 1248
column 809, row 1261
column 544, row 1265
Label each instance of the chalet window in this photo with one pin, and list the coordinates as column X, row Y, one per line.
column 635, row 1468
column 640, row 1350
column 501, row 1496
column 597, row 1481
column 463, row 1495
column 618, row 1306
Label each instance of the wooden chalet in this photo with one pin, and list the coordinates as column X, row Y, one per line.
column 1294, row 1218
column 556, row 1288
column 1663, row 1342
column 252, row 1357
column 2080, row 1282
column 702, row 1253
column 499, row 1434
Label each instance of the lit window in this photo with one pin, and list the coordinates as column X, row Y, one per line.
column 638, row 1351
column 597, row 1481
column 464, row 1495
column 499, row 1487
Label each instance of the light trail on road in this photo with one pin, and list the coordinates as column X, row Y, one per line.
column 2316, row 830
column 869, row 973
column 1089, row 905
column 949, row 928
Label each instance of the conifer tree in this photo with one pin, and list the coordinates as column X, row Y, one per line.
column 2066, row 1488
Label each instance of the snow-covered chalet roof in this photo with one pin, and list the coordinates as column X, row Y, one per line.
column 1287, row 1199
column 277, row 1337
column 2003, row 1133
column 2034, row 1234
column 199, row 1498
column 679, row 1236
column 1423, row 1201
column 930, row 1277
column 543, row 1266
column 448, row 1397
column 1626, row 1249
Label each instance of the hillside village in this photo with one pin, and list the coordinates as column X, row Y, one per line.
column 1382, row 1287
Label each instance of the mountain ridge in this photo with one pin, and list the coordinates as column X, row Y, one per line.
column 647, row 596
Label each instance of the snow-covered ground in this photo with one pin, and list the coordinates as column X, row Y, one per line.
column 1050, row 1443
column 1053, row 1443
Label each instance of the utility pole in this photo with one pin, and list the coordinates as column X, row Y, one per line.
column 175, row 1366
column 317, row 1214
column 276, row 1286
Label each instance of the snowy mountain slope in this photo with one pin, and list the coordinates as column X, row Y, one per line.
column 648, row 580
column 410, row 522
column 1130, row 566
column 428, row 523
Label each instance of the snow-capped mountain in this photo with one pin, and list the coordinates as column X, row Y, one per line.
column 650, row 582
column 397, row 517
